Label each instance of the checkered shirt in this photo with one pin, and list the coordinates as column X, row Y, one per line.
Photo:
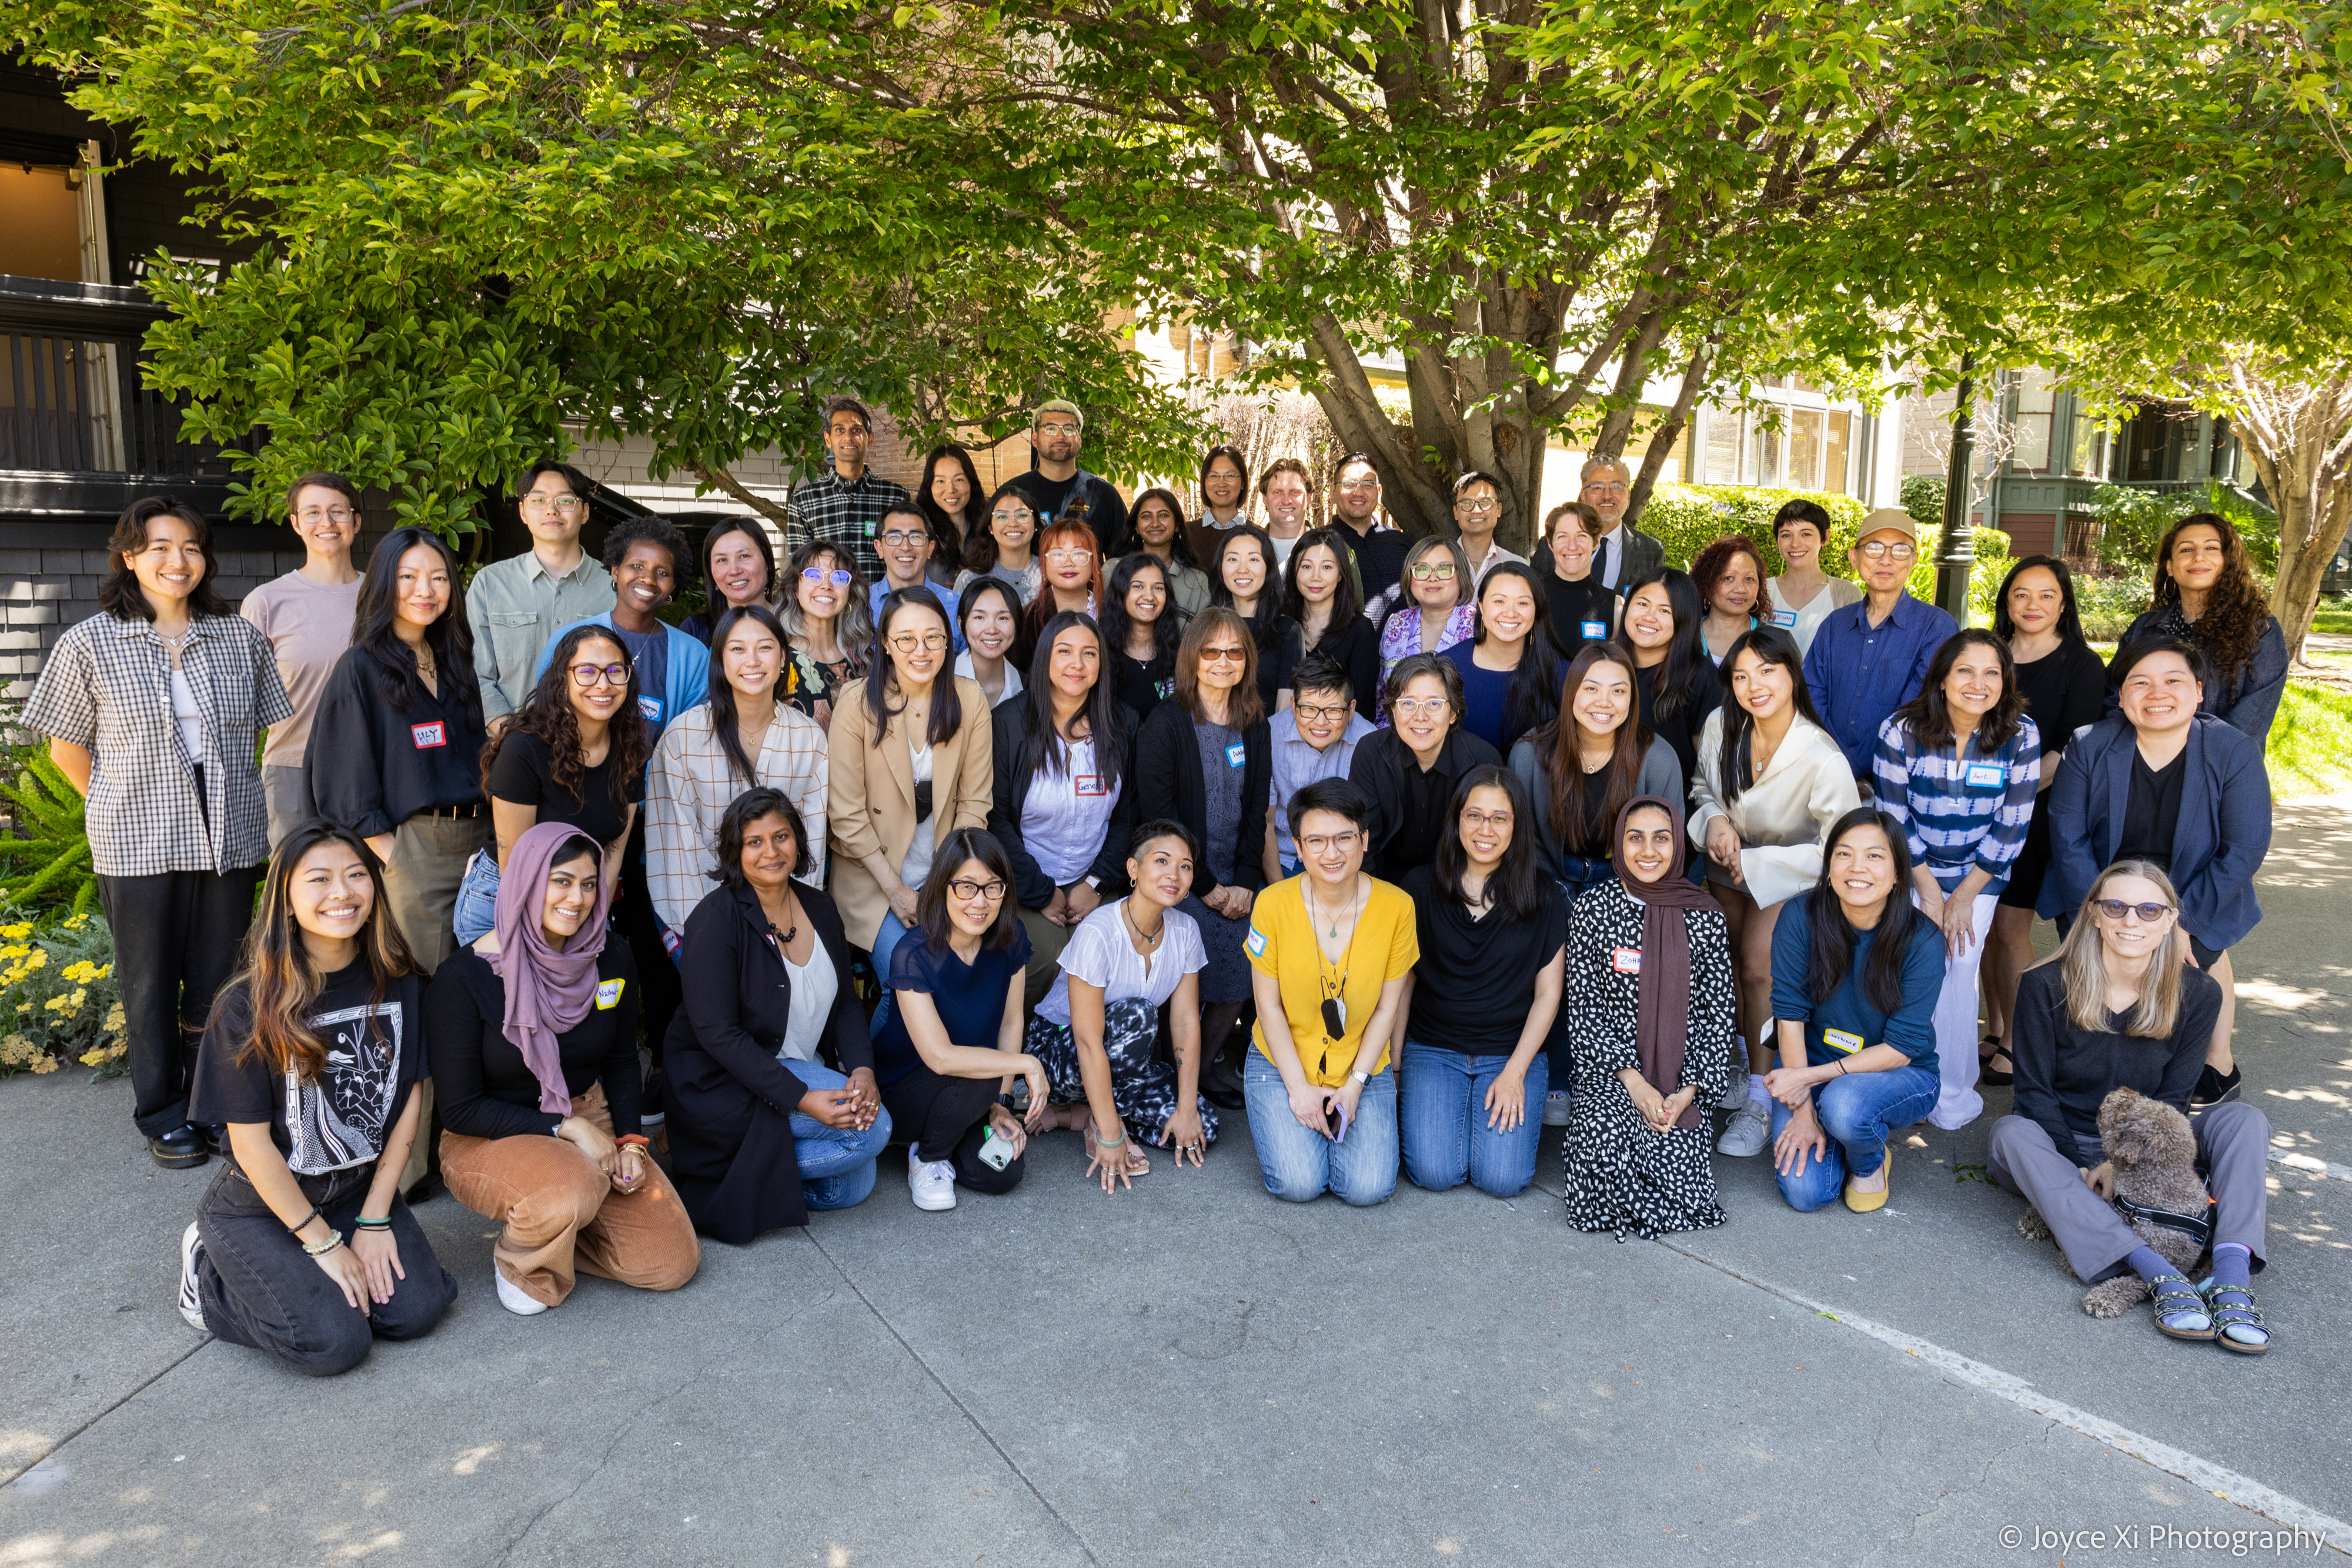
column 846, row 515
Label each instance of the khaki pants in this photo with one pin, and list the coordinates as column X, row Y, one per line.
column 1047, row 941
column 562, row 1215
column 420, row 887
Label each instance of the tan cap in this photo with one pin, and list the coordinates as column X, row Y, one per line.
column 1887, row 518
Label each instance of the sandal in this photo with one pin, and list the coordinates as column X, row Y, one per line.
column 2176, row 1297
column 1987, row 1074
column 2232, row 1307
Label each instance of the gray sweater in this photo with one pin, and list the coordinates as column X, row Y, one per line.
column 1662, row 775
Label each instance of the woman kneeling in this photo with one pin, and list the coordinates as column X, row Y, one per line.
column 534, row 1032
column 313, row 1058
column 763, row 1127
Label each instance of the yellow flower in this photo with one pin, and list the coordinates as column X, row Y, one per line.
column 16, row 1050
column 113, row 1024
column 45, row 1064
column 38, row 959
column 76, row 922
column 93, row 1058
column 16, row 932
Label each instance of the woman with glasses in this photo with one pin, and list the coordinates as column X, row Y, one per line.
column 1322, row 612
column 739, row 565
column 1510, row 679
column 1580, row 607
column 1005, row 548
column 948, row 497
column 1205, row 758
column 1140, row 628
column 1675, row 684
column 1156, row 529
column 1437, row 611
column 1072, row 585
column 1410, row 769
column 2120, row 1007
column 989, row 616
column 911, row 764
column 1248, row 584
column 1492, row 929
column 1729, row 577
column 574, row 753
column 1801, row 597
column 948, row 1045
column 829, row 627
column 1224, row 488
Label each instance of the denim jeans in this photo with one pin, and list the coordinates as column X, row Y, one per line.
column 836, row 1164
column 1441, row 1120
column 1857, row 1112
column 886, row 942
column 1299, row 1164
column 478, row 899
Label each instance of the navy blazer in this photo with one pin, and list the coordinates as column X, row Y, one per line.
column 2224, row 833
column 2248, row 698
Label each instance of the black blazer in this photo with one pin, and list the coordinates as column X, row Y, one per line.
column 1409, row 807
column 1010, row 722
column 1169, row 785
column 730, row 1138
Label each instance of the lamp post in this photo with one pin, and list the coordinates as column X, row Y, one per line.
column 1957, row 557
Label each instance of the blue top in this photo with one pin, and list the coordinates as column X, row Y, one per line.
column 1848, row 1012
column 1859, row 674
column 683, row 683
column 1486, row 696
column 2247, row 698
column 1297, row 764
column 876, row 592
column 970, row 998
column 1960, row 810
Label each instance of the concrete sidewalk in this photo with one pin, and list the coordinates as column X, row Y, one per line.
column 1193, row 1373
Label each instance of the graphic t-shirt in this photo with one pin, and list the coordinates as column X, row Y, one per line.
column 374, row 1057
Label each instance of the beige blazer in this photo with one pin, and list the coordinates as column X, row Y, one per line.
column 870, row 797
column 1783, row 817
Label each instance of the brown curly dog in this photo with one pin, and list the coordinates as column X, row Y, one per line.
column 2155, row 1156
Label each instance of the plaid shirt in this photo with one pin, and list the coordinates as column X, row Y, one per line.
column 823, row 508
column 106, row 688
column 1958, row 814
column 689, row 786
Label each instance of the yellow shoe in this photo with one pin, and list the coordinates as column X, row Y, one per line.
column 1870, row 1202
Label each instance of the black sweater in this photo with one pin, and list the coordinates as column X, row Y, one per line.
column 1168, row 786
column 372, row 767
column 1009, row 723
column 2064, row 1073
column 483, row 1088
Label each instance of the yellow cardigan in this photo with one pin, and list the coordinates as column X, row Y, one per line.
column 870, row 796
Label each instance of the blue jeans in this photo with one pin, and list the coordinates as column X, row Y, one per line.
column 836, row 1164
column 476, row 909
column 1442, row 1122
column 1857, row 1112
column 1300, row 1164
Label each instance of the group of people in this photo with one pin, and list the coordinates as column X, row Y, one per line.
column 988, row 816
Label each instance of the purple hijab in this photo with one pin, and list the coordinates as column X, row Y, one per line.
column 548, row 990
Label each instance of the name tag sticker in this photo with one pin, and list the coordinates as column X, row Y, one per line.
column 428, row 736
column 1089, row 784
column 1841, row 1040
column 1784, row 618
column 651, row 707
column 1256, row 943
column 608, row 995
column 1235, row 755
column 1596, row 630
column 1626, row 960
column 1986, row 776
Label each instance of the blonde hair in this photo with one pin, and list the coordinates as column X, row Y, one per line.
column 2082, row 960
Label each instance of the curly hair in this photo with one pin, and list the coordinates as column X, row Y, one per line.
column 1715, row 561
column 2235, row 612
column 547, row 714
column 658, row 530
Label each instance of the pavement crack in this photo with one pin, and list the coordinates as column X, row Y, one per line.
column 144, row 1384
column 621, row 1429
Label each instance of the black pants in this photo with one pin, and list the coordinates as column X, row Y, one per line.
column 258, row 1288
column 177, row 942
column 947, row 1119
column 659, row 994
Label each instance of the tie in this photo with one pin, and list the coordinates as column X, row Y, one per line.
column 1600, row 565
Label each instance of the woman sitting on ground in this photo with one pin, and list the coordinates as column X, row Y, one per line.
column 1651, row 1009
column 1096, row 1029
column 1855, row 972
column 776, row 1109
column 313, row 1059
column 1491, row 926
column 947, row 1044
column 2119, row 1007
column 534, row 1031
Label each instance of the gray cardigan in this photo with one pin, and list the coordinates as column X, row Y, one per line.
column 1662, row 775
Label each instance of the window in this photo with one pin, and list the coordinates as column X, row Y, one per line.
column 1834, row 436
column 1720, row 460
column 1805, row 448
column 2036, row 399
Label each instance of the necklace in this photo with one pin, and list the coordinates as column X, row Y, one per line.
column 792, row 909
column 1347, row 910
column 1150, row 941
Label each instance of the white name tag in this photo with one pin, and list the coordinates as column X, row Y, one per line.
column 1784, row 618
column 1235, row 755
column 428, row 736
column 1841, row 1040
column 1596, row 630
column 1986, row 776
column 1089, row 784
column 651, row 707
column 608, row 995
column 1626, row 960
column 1256, row 943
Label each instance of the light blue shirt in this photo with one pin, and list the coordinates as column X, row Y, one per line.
column 1297, row 764
column 876, row 592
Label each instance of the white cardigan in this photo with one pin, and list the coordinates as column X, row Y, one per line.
column 1783, row 817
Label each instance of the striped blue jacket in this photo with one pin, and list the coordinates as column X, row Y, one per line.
column 1960, row 812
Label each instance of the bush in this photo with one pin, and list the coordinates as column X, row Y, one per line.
column 1922, row 497
column 2133, row 522
column 2110, row 601
column 57, row 997
column 46, row 861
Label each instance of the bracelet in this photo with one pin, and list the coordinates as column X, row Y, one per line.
column 1109, row 1143
column 364, row 1223
column 632, row 1141
column 295, row 1230
column 321, row 1249
column 1840, row 1067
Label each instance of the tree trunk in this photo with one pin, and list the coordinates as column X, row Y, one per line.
column 1696, row 372
column 2300, row 438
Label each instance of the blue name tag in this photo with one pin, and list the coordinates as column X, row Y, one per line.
column 1986, row 776
column 1784, row 618
column 1596, row 630
column 1235, row 755
column 651, row 707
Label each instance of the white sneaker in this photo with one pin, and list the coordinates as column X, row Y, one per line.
column 1556, row 1108
column 1749, row 1129
column 191, row 1306
column 1735, row 1094
column 933, row 1182
column 511, row 1296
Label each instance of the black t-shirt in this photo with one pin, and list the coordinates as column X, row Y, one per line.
column 2064, row 689
column 1105, row 513
column 1379, row 557
column 524, row 775
column 1577, row 608
column 1681, row 731
column 1143, row 684
column 2152, row 809
column 1475, row 983
column 375, row 1055
column 481, row 1085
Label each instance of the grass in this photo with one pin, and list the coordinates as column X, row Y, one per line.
column 2310, row 748
column 2336, row 621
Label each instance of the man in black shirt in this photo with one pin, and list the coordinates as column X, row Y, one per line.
column 1379, row 548
column 1060, row 485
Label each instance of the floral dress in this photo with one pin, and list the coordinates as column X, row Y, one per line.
column 1620, row 1175
column 1401, row 635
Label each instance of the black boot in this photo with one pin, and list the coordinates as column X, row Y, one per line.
column 181, row 1148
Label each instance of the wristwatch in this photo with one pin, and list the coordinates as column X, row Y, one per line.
column 1360, row 1077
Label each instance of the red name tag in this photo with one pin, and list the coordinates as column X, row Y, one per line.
column 1626, row 960
column 428, row 736
column 1089, row 784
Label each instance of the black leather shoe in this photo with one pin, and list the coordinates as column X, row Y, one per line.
column 181, row 1148
column 215, row 1137
column 1222, row 1086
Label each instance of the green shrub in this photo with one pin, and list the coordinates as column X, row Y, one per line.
column 1922, row 497
column 2109, row 601
column 1686, row 518
column 2133, row 522
column 46, row 861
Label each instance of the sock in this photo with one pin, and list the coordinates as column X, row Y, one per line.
column 1756, row 1089
column 2233, row 1264
column 2147, row 1265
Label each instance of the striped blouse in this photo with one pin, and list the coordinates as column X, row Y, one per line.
column 1960, row 812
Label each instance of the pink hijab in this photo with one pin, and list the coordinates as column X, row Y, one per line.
column 548, row 990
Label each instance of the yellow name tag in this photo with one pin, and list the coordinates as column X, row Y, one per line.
column 608, row 995
column 1839, row 1039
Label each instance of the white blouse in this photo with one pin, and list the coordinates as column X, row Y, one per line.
column 1801, row 621
column 1783, row 817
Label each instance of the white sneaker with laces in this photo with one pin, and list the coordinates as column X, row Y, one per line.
column 1735, row 1094
column 1749, row 1129
column 933, row 1182
column 1556, row 1108
column 191, row 1306
column 511, row 1296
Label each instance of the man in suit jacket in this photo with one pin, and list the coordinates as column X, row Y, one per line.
column 1624, row 552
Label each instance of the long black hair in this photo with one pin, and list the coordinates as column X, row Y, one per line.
column 750, row 530
column 1241, row 498
column 1516, row 890
column 1929, row 715
column 1044, row 749
column 722, row 696
column 1533, row 697
column 2070, row 619
column 1180, row 547
column 1670, row 680
column 1165, row 631
column 119, row 595
column 1833, row 938
column 1262, row 625
column 946, row 708
column 547, row 714
column 948, row 548
column 452, row 643
column 1347, row 598
column 1774, row 646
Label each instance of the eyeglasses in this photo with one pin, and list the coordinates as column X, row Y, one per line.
column 1360, row 485
column 900, row 538
column 929, row 642
column 539, row 505
column 1433, row 573
column 968, row 890
column 1320, row 715
column 1475, row 817
column 839, row 578
column 1317, row 843
column 2149, row 914
column 1011, row 516
column 589, row 674
column 1058, row 430
column 1069, row 556
column 1879, row 550
column 331, row 515
column 1222, row 656
column 1605, row 487
column 1420, row 707
column 1468, row 504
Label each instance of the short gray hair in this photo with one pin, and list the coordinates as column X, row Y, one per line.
column 1591, row 464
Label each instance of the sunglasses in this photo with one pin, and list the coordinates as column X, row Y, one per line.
column 2149, row 914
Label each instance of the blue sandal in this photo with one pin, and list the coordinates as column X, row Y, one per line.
column 2233, row 1309
column 2177, row 1297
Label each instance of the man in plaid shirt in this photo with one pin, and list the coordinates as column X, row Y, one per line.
column 845, row 506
